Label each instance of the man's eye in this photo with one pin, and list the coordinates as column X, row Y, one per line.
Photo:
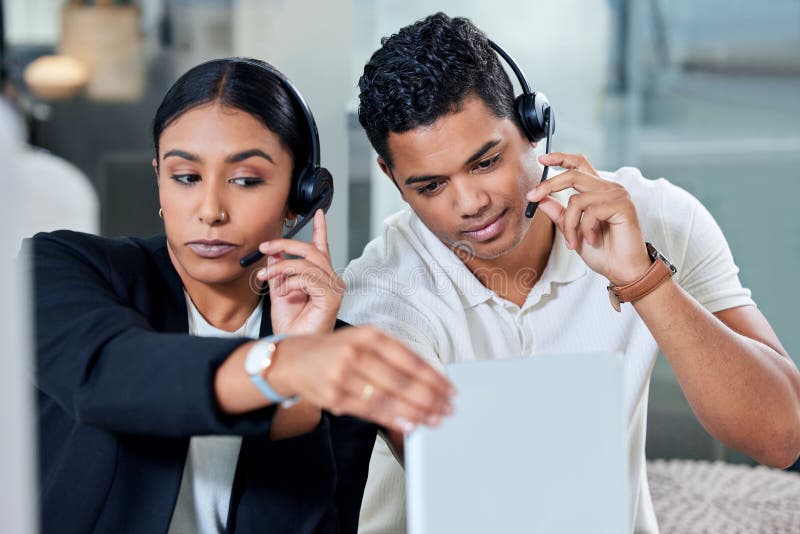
column 186, row 179
column 487, row 164
column 429, row 188
column 247, row 181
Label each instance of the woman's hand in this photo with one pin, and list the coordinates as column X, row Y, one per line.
column 363, row 372
column 305, row 293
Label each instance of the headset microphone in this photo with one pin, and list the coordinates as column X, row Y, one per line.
column 530, row 209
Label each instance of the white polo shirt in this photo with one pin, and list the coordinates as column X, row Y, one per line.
column 411, row 285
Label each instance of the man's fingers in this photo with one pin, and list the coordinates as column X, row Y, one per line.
column 554, row 211
column 564, row 160
column 590, row 226
column 578, row 180
column 575, row 212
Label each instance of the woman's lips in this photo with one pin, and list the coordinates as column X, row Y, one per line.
column 211, row 249
column 488, row 231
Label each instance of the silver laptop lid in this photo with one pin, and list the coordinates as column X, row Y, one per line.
column 534, row 445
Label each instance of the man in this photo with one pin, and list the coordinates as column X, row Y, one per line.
column 464, row 275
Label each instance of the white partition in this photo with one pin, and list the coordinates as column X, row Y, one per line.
column 17, row 419
column 310, row 42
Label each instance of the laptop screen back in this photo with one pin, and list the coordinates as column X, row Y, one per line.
column 534, row 445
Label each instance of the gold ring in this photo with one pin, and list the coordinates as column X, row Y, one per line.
column 367, row 392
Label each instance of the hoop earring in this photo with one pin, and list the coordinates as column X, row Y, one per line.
column 293, row 221
column 160, row 213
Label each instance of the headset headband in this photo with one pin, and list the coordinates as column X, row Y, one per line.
column 513, row 64
column 314, row 156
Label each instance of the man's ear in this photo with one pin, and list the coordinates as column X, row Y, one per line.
column 388, row 172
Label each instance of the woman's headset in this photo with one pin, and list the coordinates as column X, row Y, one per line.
column 534, row 112
column 312, row 189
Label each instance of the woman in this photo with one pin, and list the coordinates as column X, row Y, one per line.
column 152, row 416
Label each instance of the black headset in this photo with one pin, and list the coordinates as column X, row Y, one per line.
column 534, row 112
column 312, row 188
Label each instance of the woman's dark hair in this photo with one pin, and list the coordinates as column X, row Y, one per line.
column 245, row 84
column 425, row 71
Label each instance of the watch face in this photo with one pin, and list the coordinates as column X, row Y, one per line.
column 652, row 252
column 256, row 358
column 655, row 255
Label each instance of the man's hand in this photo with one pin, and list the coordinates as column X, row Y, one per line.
column 599, row 222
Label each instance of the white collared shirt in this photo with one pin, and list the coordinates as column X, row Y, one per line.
column 411, row 285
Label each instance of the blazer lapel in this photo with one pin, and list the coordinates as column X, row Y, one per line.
column 266, row 318
column 175, row 316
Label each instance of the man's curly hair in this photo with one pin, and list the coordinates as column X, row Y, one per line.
column 425, row 71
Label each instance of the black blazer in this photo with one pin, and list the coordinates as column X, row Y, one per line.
column 122, row 387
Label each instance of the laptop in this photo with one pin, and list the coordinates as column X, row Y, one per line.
column 536, row 445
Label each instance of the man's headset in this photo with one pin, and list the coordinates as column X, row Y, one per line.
column 534, row 112
column 312, row 189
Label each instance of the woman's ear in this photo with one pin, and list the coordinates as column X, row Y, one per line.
column 155, row 168
column 289, row 216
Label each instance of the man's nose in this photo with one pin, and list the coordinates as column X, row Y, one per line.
column 470, row 200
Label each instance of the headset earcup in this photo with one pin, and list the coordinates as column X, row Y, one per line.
column 312, row 184
column 531, row 108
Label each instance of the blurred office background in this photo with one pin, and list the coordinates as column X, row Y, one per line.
column 704, row 92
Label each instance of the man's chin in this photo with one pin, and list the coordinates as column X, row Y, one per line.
column 468, row 250
column 491, row 255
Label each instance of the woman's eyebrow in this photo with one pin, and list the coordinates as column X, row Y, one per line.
column 182, row 154
column 253, row 152
column 233, row 158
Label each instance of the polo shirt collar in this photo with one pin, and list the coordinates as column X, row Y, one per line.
column 470, row 290
column 563, row 266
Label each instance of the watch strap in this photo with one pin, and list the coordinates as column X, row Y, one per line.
column 260, row 381
column 658, row 272
column 263, row 386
